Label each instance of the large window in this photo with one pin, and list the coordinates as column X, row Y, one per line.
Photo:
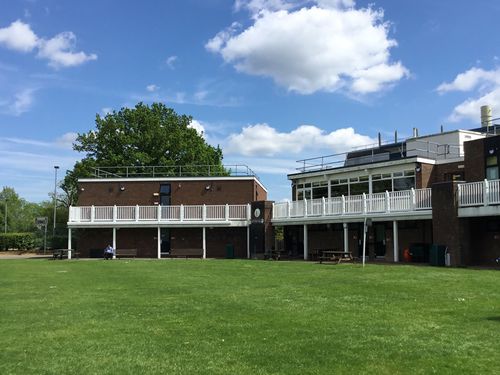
column 320, row 189
column 304, row 191
column 403, row 180
column 492, row 168
column 339, row 188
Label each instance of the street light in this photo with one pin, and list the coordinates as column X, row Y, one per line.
column 56, row 167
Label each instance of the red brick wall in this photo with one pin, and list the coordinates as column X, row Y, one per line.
column 474, row 160
column 218, row 238
column 183, row 192
column 430, row 174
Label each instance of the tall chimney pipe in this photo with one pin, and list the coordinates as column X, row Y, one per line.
column 486, row 116
column 379, row 140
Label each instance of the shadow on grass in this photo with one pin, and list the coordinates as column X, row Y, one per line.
column 494, row 318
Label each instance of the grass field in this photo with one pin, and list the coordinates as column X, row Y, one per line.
column 246, row 317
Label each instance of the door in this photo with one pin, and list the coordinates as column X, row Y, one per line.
column 379, row 240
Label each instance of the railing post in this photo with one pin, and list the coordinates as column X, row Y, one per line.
column 305, row 207
column 227, row 212
column 459, row 195
column 387, row 202
column 364, row 203
column 158, row 213
column 274, row 211
column 114, row 213
column 343, row 205
column 181, row 212
column 92, row 214
column 204, row 212
column 288, row 209
column 249, row 212
column 136, row 212
column 71, row 215
column 486, row 192
column 323, row 206
column 413, row 199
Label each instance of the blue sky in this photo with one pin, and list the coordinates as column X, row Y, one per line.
column 271, row 81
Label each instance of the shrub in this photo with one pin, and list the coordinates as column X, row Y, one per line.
column 20, row 241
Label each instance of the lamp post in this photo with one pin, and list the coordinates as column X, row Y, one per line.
column 56, row 167
column 5, row 221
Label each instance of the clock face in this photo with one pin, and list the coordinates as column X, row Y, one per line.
column 256, row 213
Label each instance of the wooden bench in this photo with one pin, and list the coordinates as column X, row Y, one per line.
column 186, row 253
column 126, row 253
column 335, row 256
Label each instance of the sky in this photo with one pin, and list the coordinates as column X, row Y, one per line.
column 270, row 81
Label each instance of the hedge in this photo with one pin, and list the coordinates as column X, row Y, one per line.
column 20, row 241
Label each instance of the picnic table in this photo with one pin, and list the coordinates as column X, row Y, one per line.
column 335, row 256
column 60, row 253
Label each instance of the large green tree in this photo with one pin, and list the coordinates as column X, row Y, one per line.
column 142, row 136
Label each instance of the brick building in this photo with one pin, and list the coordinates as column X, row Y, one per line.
column 160, row 213
column 439, row 189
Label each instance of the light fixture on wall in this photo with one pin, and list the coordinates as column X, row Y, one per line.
column 208, row 187
column 122, row 188
column 82, row 189
column 418, row 168
column 491, row 151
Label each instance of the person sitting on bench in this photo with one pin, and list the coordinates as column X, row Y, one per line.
column 109, row 252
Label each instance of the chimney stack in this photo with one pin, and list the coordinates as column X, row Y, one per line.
column 486, row 116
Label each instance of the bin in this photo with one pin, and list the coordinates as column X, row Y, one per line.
column 419, row 252
column 437, row 255
column 229, row 251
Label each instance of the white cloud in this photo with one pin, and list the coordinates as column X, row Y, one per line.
column 327, row 47
column 197, row 125
column 152, row 87
column 264, row 140
column 106, row 110
column 170, row 61
column 59, row 50
column 66, row 140
column 18, row 36
column 21, row 103
column 484, row 83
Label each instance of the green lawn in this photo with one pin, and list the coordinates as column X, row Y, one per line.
column 246, row 317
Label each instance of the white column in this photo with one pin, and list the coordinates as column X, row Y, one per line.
column 346, row 237
column 395, row 240
column 306, row 247
column 114, row 242
column 159, row 242
column 69, row 243
column 248, row 241
column 204, row 243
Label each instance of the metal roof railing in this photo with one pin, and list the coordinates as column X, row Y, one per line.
column 236, row 170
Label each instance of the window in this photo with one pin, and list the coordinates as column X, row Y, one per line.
column 320, row 190
column 339, row 190
column 359, row 188
column 165, row 194
column 492, row 168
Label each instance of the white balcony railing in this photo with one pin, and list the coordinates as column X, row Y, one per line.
column 379, row 203
column 482, row 193
column 161, row 214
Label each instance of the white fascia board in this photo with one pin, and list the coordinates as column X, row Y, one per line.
column 172, row 179
column 439, row 162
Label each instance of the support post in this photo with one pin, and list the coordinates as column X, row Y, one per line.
column 158, row 239
column 248, row 241
column 395, row 240
column 69, row 243
column 306, row 247
column 114, row 242
column 346, row 237
column 204, row 243
column 365, row 228
column 486, row 196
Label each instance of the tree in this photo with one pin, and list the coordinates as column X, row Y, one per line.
column 20, row 213
column 142, row 136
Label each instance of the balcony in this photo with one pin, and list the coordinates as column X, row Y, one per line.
column 414, row 202
column 179, row 216
column 479, row 198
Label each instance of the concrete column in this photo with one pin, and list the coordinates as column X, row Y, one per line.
column 306, row 247
column 114, row 242
column 69, row 243
column 395, row 240
column 248, row 242
column 159, row 242
column 204, row 243
column 346, row 237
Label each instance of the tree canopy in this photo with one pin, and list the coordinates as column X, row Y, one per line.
column 142, row 136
